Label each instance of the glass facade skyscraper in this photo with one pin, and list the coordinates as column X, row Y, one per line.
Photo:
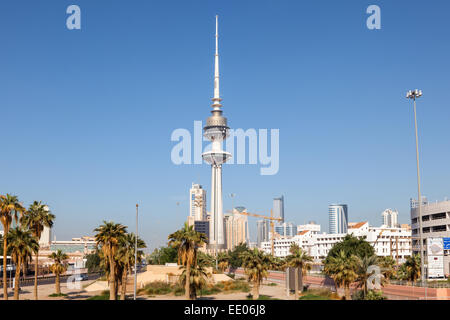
column 263, row 228
column 287, row 229
column 338, row 218
column 278, row 208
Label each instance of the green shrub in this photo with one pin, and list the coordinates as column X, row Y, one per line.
column 178, row 290
column 209, row 290
column 261, row 297
column 319, row 294
column 58, row 295
column 310, row 296
column 375, row 295
column 157, row 288
column 103, row 296
column 371, row 295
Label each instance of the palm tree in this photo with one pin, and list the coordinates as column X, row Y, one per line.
column 387, row 265
column 277, row 263
column 35, row 219
column 9, row 209
column 363, row 271
column 108, row 236
column 58, row 267
column 22, row 245
column 412, row 267
column 125, row 258
column 198, row 278
column 187, row 240
column 205, row 259
column 342, row 269
column 256, row 265
column 223, row 261
column 299, row 259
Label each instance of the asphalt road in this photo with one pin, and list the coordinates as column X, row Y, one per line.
column 50, row 280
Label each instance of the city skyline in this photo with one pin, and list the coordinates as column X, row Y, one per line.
column 96, row 127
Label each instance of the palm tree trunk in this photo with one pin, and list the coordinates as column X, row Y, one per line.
column 17, row 281
column 365, row 288
column 117, row 288
column 256, row 290
column 124, row 285
column 347, row 292
column 35, row 276
column 5, row 246
column 296, row 283
column 57, row 284
column 301, row 279
column 112, row 280
column 187, row 285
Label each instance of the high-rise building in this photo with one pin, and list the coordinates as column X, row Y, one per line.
column 278, row 208
column 197, row 203
column 286, row 229
column 202, row 226
column 338, row 218
column 435, row 224
column 216, row 130
column 236, row 230
column 390, row 218
column 263, row 227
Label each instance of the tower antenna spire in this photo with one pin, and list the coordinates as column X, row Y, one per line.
column 216, row 105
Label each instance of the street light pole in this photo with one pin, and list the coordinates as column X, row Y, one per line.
column 414, row 94
column 135, row 253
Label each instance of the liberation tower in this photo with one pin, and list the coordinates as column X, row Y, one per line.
column 216, row 130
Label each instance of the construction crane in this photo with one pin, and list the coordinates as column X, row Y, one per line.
column 379, row 236
column 271, row 219
column 390, row 243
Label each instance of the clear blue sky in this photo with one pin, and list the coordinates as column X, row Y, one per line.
column 86, row 115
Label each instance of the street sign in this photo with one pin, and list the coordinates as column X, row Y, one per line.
column 446, row 243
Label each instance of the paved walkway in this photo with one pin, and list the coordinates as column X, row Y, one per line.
column 45, row 290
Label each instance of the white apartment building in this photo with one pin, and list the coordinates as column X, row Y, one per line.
column 395, row 242
column 311, row 226
column 389, row 218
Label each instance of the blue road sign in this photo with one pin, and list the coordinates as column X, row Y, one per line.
column 446, row 243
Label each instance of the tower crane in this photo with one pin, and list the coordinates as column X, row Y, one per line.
column 271, row 218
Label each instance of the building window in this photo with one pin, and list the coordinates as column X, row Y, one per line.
column 438, row 216
column 440, row 228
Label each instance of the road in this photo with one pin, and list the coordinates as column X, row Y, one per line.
column 49, row 280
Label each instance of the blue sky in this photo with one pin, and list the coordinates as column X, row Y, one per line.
column 87, row 115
